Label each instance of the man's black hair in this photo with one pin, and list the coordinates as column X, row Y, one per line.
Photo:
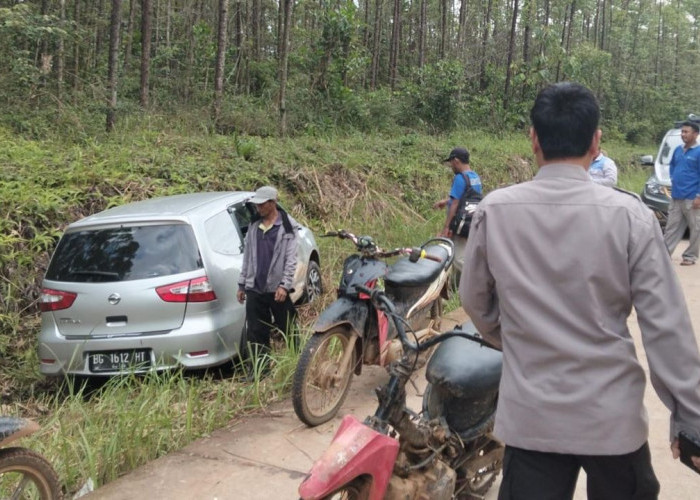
column 565, row 117
column 692, row 125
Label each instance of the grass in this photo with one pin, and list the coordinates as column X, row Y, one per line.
column 383, row 186
column 99, row 433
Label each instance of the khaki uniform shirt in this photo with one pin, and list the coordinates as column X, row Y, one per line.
column 552, row 270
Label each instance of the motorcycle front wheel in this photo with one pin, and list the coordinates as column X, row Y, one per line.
column 27, row 475
column 321, row 382
column 357, row 489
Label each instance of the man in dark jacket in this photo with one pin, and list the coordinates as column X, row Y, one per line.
column 267, row 274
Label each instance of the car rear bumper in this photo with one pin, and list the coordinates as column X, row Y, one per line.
column 195, row 345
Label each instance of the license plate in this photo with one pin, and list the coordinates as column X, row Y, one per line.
column 116, row 361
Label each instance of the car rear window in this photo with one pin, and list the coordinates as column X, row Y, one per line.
column 124, row 253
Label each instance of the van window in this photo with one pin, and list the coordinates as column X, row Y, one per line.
column 668, row 147
column 124, row 253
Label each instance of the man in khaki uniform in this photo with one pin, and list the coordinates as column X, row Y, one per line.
column 553, row 269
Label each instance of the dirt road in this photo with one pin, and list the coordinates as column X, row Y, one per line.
column 267, row 455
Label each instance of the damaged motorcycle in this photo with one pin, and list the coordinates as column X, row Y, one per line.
column 445, row 452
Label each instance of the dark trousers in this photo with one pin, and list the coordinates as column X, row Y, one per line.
column 534, row 475
column 260, row 310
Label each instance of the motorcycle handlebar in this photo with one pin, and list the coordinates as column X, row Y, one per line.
column 414, row 253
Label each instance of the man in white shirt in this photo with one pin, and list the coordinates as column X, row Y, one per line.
column 603, row 170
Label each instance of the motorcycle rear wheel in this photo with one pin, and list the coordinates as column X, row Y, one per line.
column 479, row 485
column 27, row 475
column 318, row 390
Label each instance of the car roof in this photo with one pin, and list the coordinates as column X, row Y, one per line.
column 174, row 207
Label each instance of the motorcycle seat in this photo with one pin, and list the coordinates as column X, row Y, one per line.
column 464, row 368
column 406, row 273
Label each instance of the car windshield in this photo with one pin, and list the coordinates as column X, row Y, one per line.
column 125, row 253
column 661, row 168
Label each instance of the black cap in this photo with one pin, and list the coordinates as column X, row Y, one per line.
column 691, row 124
column 460, row 153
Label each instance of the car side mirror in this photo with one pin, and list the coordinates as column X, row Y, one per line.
column 646, row 160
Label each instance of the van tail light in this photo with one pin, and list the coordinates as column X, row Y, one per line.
column 55, row 300
column 196, row 290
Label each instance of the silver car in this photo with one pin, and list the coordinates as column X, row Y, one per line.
column 152, row 285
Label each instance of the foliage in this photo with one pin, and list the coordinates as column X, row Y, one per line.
column 431, row 98
column 641, row 63
column 21, row 29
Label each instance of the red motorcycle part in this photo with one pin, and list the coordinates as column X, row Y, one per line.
column 383, row 326
column 356, row 450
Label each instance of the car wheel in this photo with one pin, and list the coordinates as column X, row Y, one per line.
column 314, row 285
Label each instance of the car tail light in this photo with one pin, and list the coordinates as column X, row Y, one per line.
column 196, row 290
column 55, row 300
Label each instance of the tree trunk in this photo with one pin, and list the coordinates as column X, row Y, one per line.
column 462, row 29
column 145, row 51
column 99, row 33
column 168, row 18
column 511, row 49
column 129, row 33
column 442, row 47
column 422, row 32
column 114, row 25
column 190, row 51
column 256, row 22
column 60, row 56
column 286, row 26
column 484, row 45
column 44, row 59
column 394, row 50
column 241, row 51
column 365, row 30
column 659, row 45
column 676, row 56
column 603, row 27
column 155, row 22
column 76, row 51
column 220, row 61
column 562, row 42
column 528, row 9
column 376, row 45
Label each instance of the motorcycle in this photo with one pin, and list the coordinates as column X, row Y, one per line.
column 447, row 452
column 352, row 332
column 24, row 473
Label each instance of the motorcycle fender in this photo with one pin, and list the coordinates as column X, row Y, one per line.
column 347, row 311
column 356, row 450
column 12, row 428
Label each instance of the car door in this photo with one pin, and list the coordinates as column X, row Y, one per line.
column 223, row 264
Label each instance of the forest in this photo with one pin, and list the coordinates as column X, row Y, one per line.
column 259, row 67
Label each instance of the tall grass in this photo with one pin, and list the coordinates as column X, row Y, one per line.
column 99, row 433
